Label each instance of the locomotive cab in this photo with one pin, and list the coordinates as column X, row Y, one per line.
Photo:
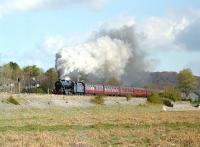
column 79, row 88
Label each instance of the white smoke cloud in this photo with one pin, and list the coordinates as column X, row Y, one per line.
column 9, row 6
column 110, row 52
column 93, row 56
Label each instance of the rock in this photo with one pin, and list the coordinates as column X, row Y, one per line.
column 168, row 102
column 197, row 105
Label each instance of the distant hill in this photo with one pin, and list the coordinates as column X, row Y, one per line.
column 165, row 77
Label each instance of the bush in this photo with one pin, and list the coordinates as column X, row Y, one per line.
column 12, row 100
column 157, row 98
column 39, row 90
column 172, row 95
column 128, row 97
column 154, row 98
column 142, row 105
column 98, row 100
column 33, row 90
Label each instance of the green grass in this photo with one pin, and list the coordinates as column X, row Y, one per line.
column 143, row 125
column 195, row 103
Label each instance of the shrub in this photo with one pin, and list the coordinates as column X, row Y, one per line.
column 172, row 95
column 154, row 98
column 12, row 100
column 142, row 105
column 128, row 97
column 98, row 100
column 39, row 90
column 33, row 90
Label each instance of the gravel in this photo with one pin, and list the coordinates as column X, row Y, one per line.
column 181, row 106
column 47, row 101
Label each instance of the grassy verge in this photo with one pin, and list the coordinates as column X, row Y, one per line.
column 197, row 103
column 98, row 100
column 143, row 125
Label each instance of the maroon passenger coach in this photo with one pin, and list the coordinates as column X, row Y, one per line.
column 115, row 90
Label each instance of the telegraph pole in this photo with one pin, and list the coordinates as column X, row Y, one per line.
column 19, row 85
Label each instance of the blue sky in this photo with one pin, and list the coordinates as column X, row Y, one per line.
column 26, row 28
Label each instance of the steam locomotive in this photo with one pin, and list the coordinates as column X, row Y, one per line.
column 68, row 87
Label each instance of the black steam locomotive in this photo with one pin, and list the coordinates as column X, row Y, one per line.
column 68, row 87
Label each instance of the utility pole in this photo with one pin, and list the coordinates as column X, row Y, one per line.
column 19, row 85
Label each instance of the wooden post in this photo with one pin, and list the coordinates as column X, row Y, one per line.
column 19, row 85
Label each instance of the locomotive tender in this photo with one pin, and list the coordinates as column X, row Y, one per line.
column 68, row 87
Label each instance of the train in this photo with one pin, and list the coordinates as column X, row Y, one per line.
column 69, row 87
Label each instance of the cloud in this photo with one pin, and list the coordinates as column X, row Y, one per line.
column 170, row 32
column 173, row 40
column 189, row 38
column 9, row 6
column 194, row 65
column 159, row 33
column 118, row 22
column 52, row 44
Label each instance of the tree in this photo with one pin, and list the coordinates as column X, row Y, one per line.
column 31, row 71
column 31, row 75
column 15, row 70
column 187, row 81
column 48, row 79
column 113, row 81
column 6, row 72
column 9, row 74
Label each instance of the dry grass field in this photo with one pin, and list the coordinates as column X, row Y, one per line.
column 119, row 125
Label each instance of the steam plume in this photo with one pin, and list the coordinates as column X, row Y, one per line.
column 111, row 52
